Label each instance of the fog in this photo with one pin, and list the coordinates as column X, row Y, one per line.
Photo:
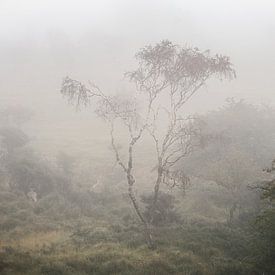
column 41, row 41
column 61, row 168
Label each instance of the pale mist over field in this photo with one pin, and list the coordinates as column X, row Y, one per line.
column 137, row 137
column 43, row 41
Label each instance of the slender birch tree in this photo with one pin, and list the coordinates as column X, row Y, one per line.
column 166, row 78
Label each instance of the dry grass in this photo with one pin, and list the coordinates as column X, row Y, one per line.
column 37, row 240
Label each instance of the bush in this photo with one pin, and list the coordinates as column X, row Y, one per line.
column 164, row 211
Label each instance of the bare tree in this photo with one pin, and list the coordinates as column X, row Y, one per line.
column 167, row 76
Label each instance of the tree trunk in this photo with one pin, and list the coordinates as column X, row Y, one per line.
column 157, row 185
column 156, row 192
column 147, row 231
column 231, row 213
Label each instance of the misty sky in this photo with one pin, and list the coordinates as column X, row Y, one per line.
column 43, row 41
